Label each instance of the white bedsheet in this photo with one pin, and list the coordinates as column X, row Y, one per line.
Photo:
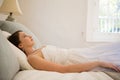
column 81, row 55
column 47, row 75
column 107, row 53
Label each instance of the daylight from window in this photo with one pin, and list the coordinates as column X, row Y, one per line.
column 109, row 16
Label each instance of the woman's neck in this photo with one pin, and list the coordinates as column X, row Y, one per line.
column 29, row 50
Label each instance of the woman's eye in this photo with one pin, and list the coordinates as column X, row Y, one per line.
column 25, row 35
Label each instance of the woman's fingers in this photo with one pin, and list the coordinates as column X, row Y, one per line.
column 110, row 65
column 116, row 68
column 119, row 69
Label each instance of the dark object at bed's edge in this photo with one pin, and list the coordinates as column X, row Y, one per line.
column 113, row 75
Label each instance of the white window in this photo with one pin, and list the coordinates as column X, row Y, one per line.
column 103, row 20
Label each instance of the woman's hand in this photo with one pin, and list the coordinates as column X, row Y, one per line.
column 109, row 65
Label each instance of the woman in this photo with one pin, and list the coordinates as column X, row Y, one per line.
column 37, row 57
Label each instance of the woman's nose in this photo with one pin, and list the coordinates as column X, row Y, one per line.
column 30, row 36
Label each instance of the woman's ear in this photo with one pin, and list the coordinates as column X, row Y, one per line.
column 20, row 46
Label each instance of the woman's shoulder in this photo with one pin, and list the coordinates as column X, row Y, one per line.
column 37, row 52
column 33, row 56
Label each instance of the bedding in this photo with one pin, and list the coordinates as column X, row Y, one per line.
column 12, row 71
column 47, row 75
column 114, row 75
column 9, row 65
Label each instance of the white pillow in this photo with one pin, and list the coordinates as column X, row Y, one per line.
column 22, row 58
column 6, row 34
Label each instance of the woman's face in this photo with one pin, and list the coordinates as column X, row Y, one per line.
column 25, row 40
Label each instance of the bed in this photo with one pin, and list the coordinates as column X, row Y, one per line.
column 15, row 66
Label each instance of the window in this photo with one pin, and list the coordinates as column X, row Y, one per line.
column 103, row 20
column 109, row 16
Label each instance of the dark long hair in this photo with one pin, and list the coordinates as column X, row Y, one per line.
column 14, row 38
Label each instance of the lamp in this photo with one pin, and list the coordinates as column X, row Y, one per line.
column 10, row 7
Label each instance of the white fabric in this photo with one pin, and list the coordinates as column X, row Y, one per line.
column 62, row 56
column 47, row 75
column 22, row 59
column 54, row 54
column 6, row 34
column 108, row 53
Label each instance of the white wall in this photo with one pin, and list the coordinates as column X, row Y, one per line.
column 57, row 22
column 2, row 17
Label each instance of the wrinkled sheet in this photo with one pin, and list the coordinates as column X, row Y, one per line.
column 114, row 75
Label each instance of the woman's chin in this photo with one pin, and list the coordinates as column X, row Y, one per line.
column 33, row 44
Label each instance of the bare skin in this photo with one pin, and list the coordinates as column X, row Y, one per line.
column 36, row 59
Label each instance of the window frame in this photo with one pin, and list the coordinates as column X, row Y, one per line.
column 93, row 33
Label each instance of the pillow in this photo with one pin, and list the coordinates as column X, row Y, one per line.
column 9, row 65
column 12, row 27
column 6, row 34
column 22, row 58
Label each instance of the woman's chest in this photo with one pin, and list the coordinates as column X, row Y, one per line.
column 39, row 53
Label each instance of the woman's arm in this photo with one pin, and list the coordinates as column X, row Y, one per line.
column 41, row 64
